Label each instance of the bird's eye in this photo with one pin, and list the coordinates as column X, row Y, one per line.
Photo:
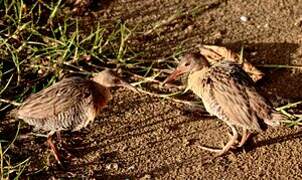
column 117, row 81
column 187, row 64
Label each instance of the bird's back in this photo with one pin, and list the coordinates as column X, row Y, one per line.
column 67, row 105
column 229, row 93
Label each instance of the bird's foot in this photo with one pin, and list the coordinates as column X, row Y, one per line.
column 55, row 151
column 66, row 152
column 244, row 138
column 219, row 152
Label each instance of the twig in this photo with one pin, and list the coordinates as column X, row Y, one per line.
column 168, row 96
column 279, row 66
column 7, row 84
column 152, row 79
column 10, row 102
column 287, row 114
column 292, row 122
column 298, row 115
column 288, row 106
column 15, row 138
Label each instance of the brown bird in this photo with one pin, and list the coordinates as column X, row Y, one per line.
column 228, row 93
column 69, row 104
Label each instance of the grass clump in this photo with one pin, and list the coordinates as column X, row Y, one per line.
column 8, row 169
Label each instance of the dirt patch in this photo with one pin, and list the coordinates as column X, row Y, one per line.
column 144, row 136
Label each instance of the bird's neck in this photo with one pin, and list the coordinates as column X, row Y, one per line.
column 194, row 80
column 107, row 94
column 104, row 91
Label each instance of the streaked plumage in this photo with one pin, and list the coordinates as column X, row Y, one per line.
column 215, row 54
column 228, row 93
column 69, row 104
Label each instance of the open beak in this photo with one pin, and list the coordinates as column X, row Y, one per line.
column 127, row 85
column 173, row 76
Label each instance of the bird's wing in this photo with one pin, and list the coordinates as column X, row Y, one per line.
column 232, row 96
column 56, row 99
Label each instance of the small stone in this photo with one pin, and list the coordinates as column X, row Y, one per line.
column 299, row 22
column 115, row 166
column 40, row 71
column 254, row 53
column 131, row 167
column 185, row 142
column 217, row 35
column 86, row 57
column 244, row 18
column 146, row 177
column 112, row 166
column 189, row 29
column 232, row 157
column 124, row 148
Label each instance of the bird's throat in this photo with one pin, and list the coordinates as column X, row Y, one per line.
column 195, row 81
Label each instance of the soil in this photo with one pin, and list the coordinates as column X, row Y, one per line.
column 141, row 136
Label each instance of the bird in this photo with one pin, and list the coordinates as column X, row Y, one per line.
column 228, row 93
column 70, row 104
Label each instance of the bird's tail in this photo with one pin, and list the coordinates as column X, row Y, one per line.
column 13, row 113
column 276, row 119
column 11, row 117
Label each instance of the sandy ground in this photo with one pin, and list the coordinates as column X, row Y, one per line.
column 140, row 136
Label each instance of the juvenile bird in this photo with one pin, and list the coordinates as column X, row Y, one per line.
column 228, row 93
column 69, row 104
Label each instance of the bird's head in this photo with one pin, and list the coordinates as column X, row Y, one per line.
column 189, row 63
column 109, row 79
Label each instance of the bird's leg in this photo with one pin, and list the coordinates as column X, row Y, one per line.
column 63, row 146
column 53, row 147
column 245, row 135
column 59, row 137
column 231, row 142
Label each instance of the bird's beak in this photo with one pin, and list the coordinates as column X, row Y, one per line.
column 173, row 76
column 129, row 86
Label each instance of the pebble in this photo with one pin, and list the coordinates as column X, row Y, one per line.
column 185, row 142
column 254, row 53
column 298, row 22
column 146, row 177
column 189, row 29
column 131, row 167
column 244, row 18
column 112, row 166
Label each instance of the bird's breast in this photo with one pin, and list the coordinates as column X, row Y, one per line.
column 102, row 96
column 196, row 82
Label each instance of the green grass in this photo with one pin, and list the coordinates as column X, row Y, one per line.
column 30, row 46
column 8, row 169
